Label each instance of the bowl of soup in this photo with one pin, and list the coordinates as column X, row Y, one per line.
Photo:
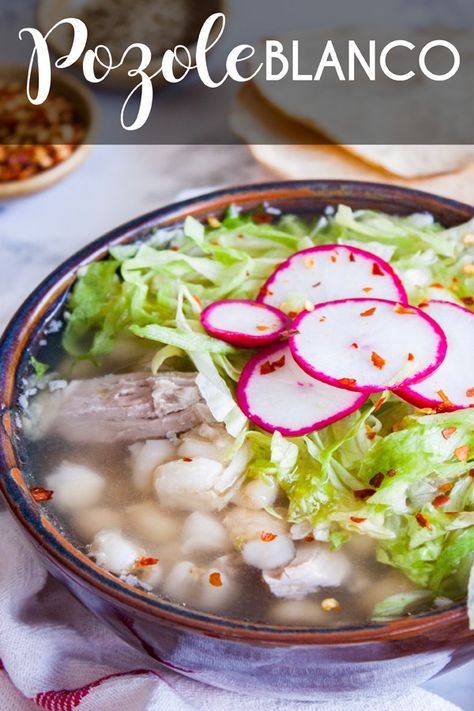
column 188, row 461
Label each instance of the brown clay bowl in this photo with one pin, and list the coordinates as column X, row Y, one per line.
column 287, row 662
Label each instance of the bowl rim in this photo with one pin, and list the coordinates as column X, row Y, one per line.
column 40, row 306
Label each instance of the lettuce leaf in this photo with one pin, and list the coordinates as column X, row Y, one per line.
column 401, row 603
column 470, row 598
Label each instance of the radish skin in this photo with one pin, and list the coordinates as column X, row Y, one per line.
column 248, row 324
column 451, row 386
column 367, row 345
column 275, row 394
column 327, row 273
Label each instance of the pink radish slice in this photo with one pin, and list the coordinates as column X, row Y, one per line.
column 367, row 345
column 244, row 323
column 276, row 394
column 327, row 273
column 451, row 386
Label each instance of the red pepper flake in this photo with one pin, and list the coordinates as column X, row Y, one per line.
column 316, row 284
column 377, row 360
column 358, row 519
column 270, row 367
column 446, row 488
column 215, row 243
column 410, row 356
column 468, row 300
column 292, row 314
column 263, row 328
column 369, row 312
column 471, row 473
column 437, row 285
column 323, row 318
column 363, row 493
column 40, row 494
column 309, row 538
column 379, row 403
column 174, row 248
column 213, row 222
column 262, row 218
column 367, row 289
column 376, row 271
column 351, row 257
column 354, row 345
column 423, row 521
column 266, row 291
column 144, row 562
column 187, row 459
column 440, row 500
column 442, row 396
column 400, row 309
column 350, row 382
column 371, row 434
column 215, row 580
column 470, row 392
column 391, row 472
column 377, row 480
column 462, row 453
column 448, row 432
column 333, row 258
column 423, row 305
column 309, row 262
column 197, row 299
column 266, row 536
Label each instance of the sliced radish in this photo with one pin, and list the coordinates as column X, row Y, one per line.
column 451, row 386
column 276, row 394
column 244, row 323
column 367, row 345
column 327, row 273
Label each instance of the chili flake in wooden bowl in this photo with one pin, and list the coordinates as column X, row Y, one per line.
column 39, row 145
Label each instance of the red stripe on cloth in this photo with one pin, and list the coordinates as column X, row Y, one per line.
column 69, row 699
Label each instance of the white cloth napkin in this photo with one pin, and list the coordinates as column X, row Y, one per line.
column 57, row 656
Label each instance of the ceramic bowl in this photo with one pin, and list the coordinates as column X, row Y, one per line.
column 286, row 662
column 82, row 99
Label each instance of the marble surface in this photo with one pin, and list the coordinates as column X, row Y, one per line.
column 115, row 184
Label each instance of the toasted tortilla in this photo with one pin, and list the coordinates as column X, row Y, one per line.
column 273, row 139
column 338, row 111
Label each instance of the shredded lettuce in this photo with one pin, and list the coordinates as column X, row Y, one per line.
column 377, row 472
column 470, row 598
column 39, row 368
column 401, row 603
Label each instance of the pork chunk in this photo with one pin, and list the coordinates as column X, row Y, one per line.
column 128, row 408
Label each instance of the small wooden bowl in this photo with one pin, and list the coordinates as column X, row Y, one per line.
column 71, row 89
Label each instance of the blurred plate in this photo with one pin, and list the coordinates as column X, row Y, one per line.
column 294, row 151
column 49, row 12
